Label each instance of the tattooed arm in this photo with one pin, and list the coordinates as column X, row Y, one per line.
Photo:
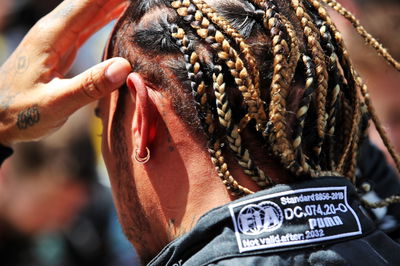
column 35, row 99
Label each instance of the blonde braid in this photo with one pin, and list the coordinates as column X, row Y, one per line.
column 378, row 125
column 346, row 116
column 294, row 41
column 363, row 33
column 198, row 90
column 353, row 137
column 384, row 203
column 233, row 132
column 379, row 48
column 217, row 40
column 337, row 85
column 217, row 158
column 223, row 172
column 192, row 66
column 244, row 49
column 343, row 53
column 279, row 92
column 356, row 140
column 344, row 60
column 303, row 110
column 317, row 53
column 294, row 47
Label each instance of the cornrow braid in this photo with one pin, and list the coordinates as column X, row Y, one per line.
column 223, row 172
column 244, row 158
column 312, row 37
column 336, row 84
column 347, row 82
column 195, row 74
column 303, row 110
column 223, row 24
column 363, row 33
column 356, row 141
column 294, row 47
column 217, row 158
column 198, row 90
column 348, row 133
column 279, row 91
column 223, row 110
column 350, row 154
column 233, row 133
column 342, row 54
column 206, row 30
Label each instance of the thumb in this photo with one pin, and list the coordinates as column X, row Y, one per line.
column 95, row 83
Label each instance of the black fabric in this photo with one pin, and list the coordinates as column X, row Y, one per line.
column 384, row 181
column 213, row 241
column 5, row 152
column 15, row 248
column 375, row 170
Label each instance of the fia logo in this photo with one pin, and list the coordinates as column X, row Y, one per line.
column 255, row 219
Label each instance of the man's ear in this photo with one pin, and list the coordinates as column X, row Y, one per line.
column 145, row 114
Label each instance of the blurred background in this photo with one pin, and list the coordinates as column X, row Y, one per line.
column 381, row 18
column 56, row 206
column 55, row 203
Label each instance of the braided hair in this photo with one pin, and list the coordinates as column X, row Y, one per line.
column 275, row 71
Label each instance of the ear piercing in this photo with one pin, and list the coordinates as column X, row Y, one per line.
column 142, row 160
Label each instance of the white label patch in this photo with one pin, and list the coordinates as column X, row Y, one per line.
column 294, row 217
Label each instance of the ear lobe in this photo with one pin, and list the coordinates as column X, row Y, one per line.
column 145, row 114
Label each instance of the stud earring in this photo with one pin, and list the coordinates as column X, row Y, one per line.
column 140, row 159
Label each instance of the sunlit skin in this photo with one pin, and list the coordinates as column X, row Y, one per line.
column 178, row 184
column 35, row 97
column 174, row 185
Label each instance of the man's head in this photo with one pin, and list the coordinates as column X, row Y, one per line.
column 262, row 93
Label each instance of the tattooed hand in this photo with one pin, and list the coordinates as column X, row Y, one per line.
column 35, row 99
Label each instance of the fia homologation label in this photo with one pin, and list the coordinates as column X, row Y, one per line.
column 294, row 217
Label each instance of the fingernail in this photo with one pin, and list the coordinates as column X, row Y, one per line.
column 117, row 71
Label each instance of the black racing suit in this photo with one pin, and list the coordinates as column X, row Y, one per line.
column 316, row 222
